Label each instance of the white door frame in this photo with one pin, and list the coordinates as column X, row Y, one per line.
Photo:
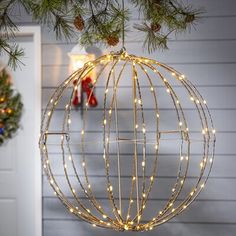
column 35, row 31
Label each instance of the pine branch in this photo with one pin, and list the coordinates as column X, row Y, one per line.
column 13, row 51
column 101, row 21
column 153, row 40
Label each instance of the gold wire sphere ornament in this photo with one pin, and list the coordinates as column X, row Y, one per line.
column 108, row 166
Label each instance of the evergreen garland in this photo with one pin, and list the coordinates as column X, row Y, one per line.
column 99, row 21
column 10, row 108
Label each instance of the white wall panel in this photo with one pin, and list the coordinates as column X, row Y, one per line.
column 208, row 57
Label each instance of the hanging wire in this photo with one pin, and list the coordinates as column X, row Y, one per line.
column 123, row 26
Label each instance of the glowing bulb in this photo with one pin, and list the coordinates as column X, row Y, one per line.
column 143, row 163
column 201, row 165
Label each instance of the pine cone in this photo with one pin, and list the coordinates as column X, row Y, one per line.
column 155, row 27
column 189, row 18
column 112, row 40
column 79, row 22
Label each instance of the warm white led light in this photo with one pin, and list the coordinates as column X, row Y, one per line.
column 138, row 126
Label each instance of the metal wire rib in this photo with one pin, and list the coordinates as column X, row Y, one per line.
column 122, row 215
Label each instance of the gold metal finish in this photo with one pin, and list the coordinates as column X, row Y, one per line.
column 129, row 210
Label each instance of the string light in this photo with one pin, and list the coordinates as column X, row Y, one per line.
column 91, row 208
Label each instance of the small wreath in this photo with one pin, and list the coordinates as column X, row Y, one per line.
column 10, row 107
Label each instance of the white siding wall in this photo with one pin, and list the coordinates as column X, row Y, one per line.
column 208, row 57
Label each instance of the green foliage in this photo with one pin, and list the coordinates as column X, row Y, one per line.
column 10, row 108
column 100, row 20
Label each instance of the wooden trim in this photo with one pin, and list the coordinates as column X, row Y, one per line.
column 35, row 31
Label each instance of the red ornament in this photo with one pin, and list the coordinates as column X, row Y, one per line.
column 87, row 87
column 76, row 99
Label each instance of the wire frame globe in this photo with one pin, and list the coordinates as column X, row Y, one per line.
column 138, row 159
